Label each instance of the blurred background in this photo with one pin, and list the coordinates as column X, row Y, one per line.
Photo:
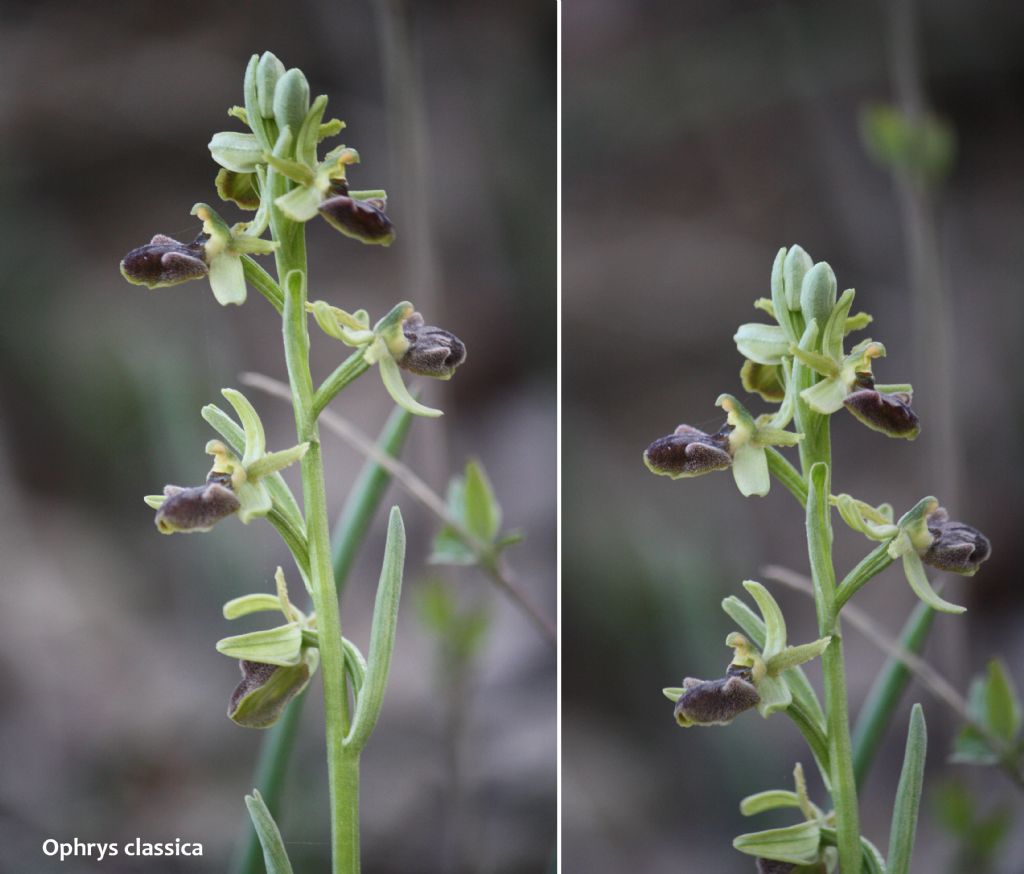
column 699, row 137
column 113, row 697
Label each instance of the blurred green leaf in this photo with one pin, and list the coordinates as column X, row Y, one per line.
column 274, row 855
column 923, row 149
column 462, row 630
column 1002, row 703
column 482, row 513
column 908, row 795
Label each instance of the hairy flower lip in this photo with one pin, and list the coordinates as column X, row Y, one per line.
column 195, row 509
column 688, row 452
column 715, row 702
column 363, row 220
column 956, row 547
column 165, row 261
column 432, row 351
column 888, row 414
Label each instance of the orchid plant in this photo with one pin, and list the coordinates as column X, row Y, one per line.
column 798, row 362
column 273, row 169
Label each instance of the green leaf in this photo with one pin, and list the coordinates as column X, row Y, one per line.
column 1002, row 704
column 449, row 548
column 908, row 795
column 382, row 635
column 797, row 844
column 270, row 646
column 482, row 513
column 254, row 603
column 768, row 800
column 274, row 855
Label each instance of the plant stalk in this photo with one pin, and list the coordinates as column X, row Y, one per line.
column 815, row 462
column 342, row 765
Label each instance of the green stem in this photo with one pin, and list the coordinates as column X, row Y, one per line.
column 350, row 369
column 350, row 532
column 785, row 473
column 886, row 692
column 342, row 767
column 866, row 569
column 815, row 463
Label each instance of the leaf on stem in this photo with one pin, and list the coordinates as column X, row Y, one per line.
column 275, row 857
column 908, row 795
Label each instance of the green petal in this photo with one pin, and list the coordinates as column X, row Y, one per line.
column 797, row 844
column 750, row 470
column 825, row 396
column 300, row 204
column 254, row 603
column 392, row 378
column 236, row 151
column 765, row 344
column 772, row 799
column 918, row 579
column 227, row 279
column 774, row 622
column 270, row 646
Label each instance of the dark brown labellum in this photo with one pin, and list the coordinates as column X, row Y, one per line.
column 889, row 414
column 264, row 691
column 363, row 220
column 956, row 547
column 432, row 351
column 164, row 261
column 714, row 702
column 771, row 866
column 195, row 509
column 688, row 452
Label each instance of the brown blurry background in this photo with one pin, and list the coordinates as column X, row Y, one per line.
column 699, row 137
column 113, row 697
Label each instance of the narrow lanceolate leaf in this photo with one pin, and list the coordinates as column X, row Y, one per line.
column 908, row 796
column 274, row 855
column 382, row 635
column 272, row 646
column 797, row 844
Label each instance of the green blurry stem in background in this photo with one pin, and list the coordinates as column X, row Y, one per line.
column 349, row 534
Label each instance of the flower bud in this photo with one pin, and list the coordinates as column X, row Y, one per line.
column 794, row 268
column 197, row 508
column 432, row 351
column 714, row 702
column 265, row 690
column 363, row 220
column 291, row 99
column 688, row 452
column 165, row 261
column 818, row 294
column 955, row 546
column 268, row 71
column 889, row 414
